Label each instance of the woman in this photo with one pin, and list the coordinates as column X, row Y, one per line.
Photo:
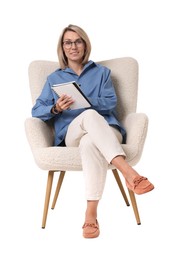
column 96, row 131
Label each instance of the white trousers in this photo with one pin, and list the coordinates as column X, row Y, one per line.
column 99, row 143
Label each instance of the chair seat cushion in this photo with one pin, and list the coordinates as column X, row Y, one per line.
column 68, row 158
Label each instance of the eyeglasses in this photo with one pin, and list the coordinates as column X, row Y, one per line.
column 68, row 44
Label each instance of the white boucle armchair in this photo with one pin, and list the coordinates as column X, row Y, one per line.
column 40, row 135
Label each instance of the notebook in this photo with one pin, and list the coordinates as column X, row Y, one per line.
column 72, row 89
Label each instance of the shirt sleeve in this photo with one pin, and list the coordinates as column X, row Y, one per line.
column 105, row 100
column 44, row 103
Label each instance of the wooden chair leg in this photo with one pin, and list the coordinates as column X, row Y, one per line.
column 118, row 180
column 60, row 180
column 131, row 194
column 47, row 197
column 134, row 205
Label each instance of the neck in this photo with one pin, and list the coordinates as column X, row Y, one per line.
column 76, row 67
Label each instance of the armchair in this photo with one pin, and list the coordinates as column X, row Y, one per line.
column 40, row 135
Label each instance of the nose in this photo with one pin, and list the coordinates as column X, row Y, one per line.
column 74, row 45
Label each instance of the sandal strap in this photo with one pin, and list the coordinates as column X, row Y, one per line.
column 138, row 180
column 92, row 225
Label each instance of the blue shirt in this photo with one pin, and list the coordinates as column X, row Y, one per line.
column 96, row 84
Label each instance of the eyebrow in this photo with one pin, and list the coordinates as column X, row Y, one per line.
column 71, row 40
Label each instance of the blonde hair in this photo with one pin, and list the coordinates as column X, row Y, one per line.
column 63, row 62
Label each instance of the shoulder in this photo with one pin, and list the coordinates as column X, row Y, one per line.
column 99, row 66
column 54, row 74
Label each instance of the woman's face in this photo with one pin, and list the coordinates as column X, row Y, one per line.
column 73, row 46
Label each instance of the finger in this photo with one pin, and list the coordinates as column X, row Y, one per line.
column 65, row 104
column 64, row 96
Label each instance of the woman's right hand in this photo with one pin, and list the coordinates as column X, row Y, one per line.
column 64, row 102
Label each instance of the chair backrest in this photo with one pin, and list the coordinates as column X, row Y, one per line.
column 124, row 73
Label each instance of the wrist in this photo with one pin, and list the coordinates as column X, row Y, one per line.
column 55, row 111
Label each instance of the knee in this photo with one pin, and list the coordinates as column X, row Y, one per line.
column 92, row 114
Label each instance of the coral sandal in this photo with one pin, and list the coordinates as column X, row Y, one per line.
column 140, row 185
column 91, row 230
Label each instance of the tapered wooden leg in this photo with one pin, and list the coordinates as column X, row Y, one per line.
column 134, row 205
column 118, row 180
column 60, row 180
column 131, row 194
column 47, row 197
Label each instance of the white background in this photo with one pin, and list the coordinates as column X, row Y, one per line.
column 149, row 31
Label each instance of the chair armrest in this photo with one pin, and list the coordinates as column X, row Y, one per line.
column 136, row 125
column 39, row 133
